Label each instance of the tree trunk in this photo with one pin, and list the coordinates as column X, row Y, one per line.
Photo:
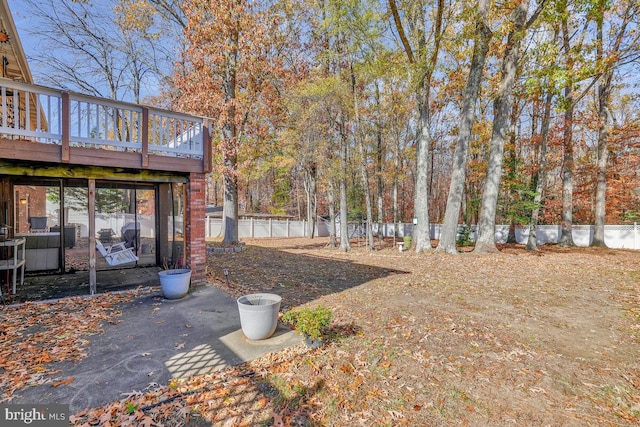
column 421, row 233
column 368, row 201
column 396, row 167
column 331, row 196
column 379, row 168
column 230, row 148
column 380, row 207
column 540, row 177
column 502, row 105
column 512, row 173
column 604, row 94
column 364, row 176
column 230, row 204
column 380, row 189
column 310, row 188
column 566, row 237
column 511, row 235
column 449, row 229
column 344, row 211
column 604, row 113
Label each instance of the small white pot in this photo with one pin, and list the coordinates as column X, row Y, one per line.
column 174, row 283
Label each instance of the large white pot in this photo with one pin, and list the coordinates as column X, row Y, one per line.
column 174, row 283
column 259, row 315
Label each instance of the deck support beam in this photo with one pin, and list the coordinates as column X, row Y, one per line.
column 92, row 236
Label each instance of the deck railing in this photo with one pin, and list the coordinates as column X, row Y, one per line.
column 56, row 117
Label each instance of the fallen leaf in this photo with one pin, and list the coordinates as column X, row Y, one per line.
column 356, row 382
column 347, row 368
column 63, row 382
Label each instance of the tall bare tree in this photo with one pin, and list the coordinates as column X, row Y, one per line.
column 483, row 33
column 423, row 63
column 539, row 178
column 566, row 236
column 501, row 113
column 609, row 59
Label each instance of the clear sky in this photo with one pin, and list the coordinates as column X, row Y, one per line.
column 35, row 46
column 21, row 17
column 19, row 10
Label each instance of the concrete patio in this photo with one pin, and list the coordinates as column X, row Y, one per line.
column 154, row 341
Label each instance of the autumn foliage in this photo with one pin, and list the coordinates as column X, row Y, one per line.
column 259, row 71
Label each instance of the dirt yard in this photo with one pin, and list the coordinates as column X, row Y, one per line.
column 509, row 339
column 515, row 338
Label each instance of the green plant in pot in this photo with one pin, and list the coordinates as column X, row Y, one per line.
column 310, row 322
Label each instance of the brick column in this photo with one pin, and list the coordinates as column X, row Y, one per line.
column 195, row 246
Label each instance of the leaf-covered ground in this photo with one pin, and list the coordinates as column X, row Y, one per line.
column 33, row 336
column 513, row 338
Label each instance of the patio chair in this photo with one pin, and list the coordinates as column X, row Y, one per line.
column 116, row 254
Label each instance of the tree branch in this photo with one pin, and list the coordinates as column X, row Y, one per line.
column 400, row 28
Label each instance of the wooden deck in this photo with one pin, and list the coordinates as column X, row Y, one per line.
column 39, row 124
column 53, row 139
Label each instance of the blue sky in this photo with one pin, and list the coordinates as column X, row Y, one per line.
column 21, row 19
column 34, row 46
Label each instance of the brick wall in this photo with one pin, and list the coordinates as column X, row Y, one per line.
column 196, row 251
column 35, row 199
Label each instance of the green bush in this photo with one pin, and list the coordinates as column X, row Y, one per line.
column 464, row 237
column 311, row 322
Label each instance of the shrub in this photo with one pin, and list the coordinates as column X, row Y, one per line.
column 311, row 322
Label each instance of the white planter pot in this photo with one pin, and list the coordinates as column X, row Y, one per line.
column 175, row 283
column 259, row 315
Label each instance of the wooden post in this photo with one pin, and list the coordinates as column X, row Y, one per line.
column 206, row 147
column 144, row 136
column 62, row 220
column 92, row 236
column 66, row 127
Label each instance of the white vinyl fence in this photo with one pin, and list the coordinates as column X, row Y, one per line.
column 266, row 228
column 615, row 236
column 113, row 221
